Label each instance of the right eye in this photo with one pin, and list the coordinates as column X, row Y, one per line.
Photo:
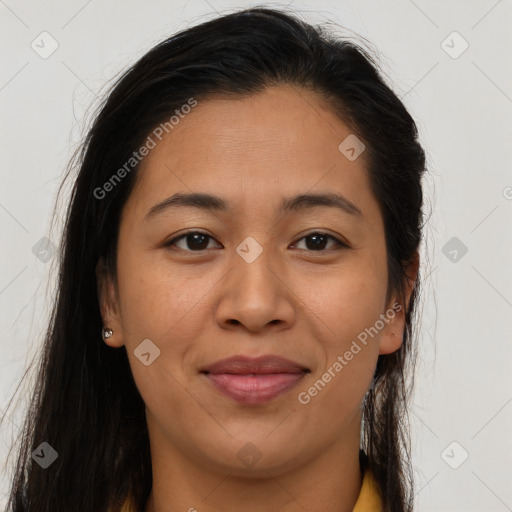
column 192, row 241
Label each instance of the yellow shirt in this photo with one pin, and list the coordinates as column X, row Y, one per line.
column 369, row 499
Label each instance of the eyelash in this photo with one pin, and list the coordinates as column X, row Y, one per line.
column 340, row 243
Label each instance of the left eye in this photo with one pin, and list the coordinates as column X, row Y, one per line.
column 318, row 241
column 196, row 241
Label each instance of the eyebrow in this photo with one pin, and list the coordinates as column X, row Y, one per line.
column 210, row 202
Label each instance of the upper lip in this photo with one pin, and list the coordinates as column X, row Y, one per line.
column 242, row 365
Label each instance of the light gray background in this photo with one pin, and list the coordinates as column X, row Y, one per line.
column 463, row 107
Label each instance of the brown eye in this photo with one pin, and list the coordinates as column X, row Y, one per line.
column 192, row 242
column 319, row 241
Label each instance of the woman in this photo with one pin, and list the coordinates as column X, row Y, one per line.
column 243, row 232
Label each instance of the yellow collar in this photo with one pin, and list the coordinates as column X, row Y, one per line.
column 369, row 499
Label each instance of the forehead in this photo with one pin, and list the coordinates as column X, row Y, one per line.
column 282, row 141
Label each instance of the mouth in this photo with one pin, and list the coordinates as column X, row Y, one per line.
column 254, row 380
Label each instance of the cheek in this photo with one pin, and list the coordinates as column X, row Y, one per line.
column 170, row 306
column 160, row 304
column 351, row 298
column 156, row 298
column 350, row 306
column 336, row 389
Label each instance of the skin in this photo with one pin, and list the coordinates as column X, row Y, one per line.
column 201, row 306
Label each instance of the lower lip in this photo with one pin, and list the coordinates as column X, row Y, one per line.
column 255, row 388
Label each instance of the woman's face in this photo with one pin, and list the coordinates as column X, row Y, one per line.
column 271, row 273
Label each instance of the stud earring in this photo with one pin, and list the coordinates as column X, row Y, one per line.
column 106, row 333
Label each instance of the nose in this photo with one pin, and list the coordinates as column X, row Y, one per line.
column 256, row 295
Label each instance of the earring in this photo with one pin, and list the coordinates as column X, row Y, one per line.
column 106, row 333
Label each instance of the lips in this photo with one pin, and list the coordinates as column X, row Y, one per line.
column 254, row 380
column 242, row 365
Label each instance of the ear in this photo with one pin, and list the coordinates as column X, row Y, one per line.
column 393, row 332
column 109, row 306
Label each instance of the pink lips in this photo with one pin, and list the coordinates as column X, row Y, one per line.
column 254, row 380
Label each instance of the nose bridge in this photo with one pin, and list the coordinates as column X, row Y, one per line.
column 252, row 264
column 254, row 292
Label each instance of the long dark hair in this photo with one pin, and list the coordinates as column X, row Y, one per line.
column 85, row 403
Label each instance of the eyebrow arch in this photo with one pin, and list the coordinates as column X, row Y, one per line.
column 299, row 202
column 307, row 201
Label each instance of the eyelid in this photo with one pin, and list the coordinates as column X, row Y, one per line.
column 341, row 243
column 175, row 239
column 339, row 240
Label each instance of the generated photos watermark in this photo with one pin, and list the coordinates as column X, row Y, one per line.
column 304, row 397
column 137, row 156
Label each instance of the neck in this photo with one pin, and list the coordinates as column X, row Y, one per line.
column 328, row 482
